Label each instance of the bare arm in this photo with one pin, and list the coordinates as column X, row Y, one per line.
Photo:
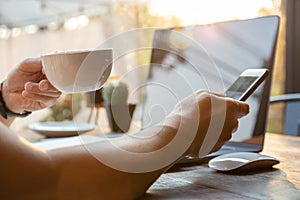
column 25, row 171
column 101, row 170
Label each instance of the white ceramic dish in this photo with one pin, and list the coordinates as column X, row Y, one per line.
column 61, row 129
column 242, row 160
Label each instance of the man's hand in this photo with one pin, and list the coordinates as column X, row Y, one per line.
column 211, row 117
column 27, row 88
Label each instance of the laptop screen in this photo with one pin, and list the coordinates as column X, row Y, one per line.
column 211, row 57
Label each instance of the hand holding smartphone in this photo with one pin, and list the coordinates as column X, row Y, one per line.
column 247, row 83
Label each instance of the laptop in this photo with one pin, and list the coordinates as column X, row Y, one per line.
column 211, row 57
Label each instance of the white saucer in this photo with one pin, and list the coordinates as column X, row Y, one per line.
column 61, row 129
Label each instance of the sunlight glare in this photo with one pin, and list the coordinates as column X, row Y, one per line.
column 208, row 11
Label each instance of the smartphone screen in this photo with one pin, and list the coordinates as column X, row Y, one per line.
column 240, row 86
column 245, row 85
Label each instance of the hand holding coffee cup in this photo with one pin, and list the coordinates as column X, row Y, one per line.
column 78, row 71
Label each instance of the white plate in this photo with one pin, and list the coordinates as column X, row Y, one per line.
column 61, row 129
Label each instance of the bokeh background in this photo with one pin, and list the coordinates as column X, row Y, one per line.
column 33, row 27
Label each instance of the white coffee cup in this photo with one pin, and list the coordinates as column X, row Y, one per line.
column 78, row 71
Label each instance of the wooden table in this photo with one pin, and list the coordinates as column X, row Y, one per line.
column 201, row 182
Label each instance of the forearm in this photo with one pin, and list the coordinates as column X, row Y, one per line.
column 82, row 176
column 26, row 172
column 124, row 167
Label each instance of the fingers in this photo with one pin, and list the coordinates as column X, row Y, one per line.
column 218, row 94
column 45, row 85
column 47, row 100
column 42, row 92
column 43, row 88
column 240, row 107
column 235, row 126
column 201, row 91
column 31, row 65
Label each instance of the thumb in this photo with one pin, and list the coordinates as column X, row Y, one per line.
column 242, row 108
column 31, row 65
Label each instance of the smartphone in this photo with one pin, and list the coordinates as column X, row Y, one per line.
column 247, row 83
